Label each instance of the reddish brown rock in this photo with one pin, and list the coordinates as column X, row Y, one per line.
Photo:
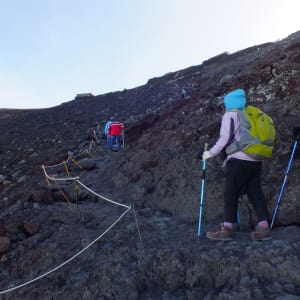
column 31, row 227
column 4, row 244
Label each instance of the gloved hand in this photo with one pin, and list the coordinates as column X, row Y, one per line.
column 206, row 155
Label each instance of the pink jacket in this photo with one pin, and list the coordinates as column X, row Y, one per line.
column 225, row 136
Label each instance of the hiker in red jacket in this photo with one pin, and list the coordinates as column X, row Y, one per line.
column 116, row 131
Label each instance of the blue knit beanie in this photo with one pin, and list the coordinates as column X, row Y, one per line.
column 235, row 100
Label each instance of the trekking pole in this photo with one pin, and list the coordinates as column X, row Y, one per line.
column 296, row 134
column 202, row 191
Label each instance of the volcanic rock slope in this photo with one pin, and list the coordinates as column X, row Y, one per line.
column 44, row 224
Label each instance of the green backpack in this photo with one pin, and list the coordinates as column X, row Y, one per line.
column 257, row 134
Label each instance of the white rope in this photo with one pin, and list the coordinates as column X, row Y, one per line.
column 102, row 197
column 59, row 178
column 67, row 261
column 66, row 161
column 83, row 185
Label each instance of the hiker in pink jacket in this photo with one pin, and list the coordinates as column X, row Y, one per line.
column 242, row 174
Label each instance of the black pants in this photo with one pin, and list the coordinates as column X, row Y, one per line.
column 243, row 177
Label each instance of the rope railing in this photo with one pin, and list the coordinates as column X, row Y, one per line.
column 68, row 260
column 78, row 182
column 64, row 164
column 102, row 197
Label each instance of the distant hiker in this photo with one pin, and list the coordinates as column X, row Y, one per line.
column 108, row 137
column 116, row 133
column 242, row 174
column 93, row 139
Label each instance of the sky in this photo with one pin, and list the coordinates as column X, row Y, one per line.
column 51, row 50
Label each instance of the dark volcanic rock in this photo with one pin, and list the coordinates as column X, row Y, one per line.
column 158, row 173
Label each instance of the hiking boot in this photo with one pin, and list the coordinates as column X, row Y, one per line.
column 261, row 233
column 220, row 233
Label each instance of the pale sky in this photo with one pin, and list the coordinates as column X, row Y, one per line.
column 51, row 50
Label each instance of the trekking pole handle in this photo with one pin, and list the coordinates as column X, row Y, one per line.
column 205, row 146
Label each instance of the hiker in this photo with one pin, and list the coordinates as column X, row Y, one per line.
column 116, row 132
column 242, row 174
column 108, row 137
column 93, row 139
column 183, row 94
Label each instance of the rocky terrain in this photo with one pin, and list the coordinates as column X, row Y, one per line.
column 153, row 251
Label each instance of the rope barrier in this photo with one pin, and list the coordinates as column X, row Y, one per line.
column 76, row 179
column 67, row 170
column 76, row 163
column 62, row 192
column 102, row 197
column 68, row 260
column 77, row 202
column 59, row 179
column 137, row 225
column 77, row 183
column 68, row 159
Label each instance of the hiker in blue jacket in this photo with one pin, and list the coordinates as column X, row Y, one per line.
column 108, row 137
column 242, row 174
